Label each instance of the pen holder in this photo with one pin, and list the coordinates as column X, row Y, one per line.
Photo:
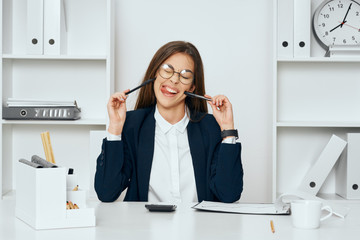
column 78, row 197
column 41, row 195
column 71, row 181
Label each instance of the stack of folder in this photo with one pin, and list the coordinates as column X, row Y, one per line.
column 294, row 28
column 46, row 27
column 347, row 155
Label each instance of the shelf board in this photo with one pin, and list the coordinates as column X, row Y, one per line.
column 319, row 59
column 100, row 122
column 8, row 194
column 317, row 124
column 53, row 57
column 332, row 197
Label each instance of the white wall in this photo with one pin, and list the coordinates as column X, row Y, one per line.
column 234, row 38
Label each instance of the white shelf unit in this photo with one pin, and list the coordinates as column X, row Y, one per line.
column 56, row 57
column 313, row 98
column 85, row 73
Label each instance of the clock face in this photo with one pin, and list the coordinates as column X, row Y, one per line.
column 337, row 22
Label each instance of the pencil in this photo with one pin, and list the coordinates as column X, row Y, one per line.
column 71, row 205
column 43, row 139
column 50, row 148
column 49, row 154
column 272, row 226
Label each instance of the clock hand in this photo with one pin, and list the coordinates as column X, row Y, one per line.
column 343, row 22
column 352, row 27
column 340, row 25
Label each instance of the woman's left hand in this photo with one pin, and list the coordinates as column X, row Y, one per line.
column 222, row 111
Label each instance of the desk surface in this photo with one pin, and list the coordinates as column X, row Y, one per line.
column 121, row 220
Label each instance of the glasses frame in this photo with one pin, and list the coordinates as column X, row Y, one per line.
column 179, row 73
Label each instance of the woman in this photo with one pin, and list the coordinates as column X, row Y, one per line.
column 169, row 149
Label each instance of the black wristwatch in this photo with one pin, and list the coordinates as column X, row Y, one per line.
column 228, row 133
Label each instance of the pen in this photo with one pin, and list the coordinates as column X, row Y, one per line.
column 141, row 85
column 196, row 96
column 272, row 226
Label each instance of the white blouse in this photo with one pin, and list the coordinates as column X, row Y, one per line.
column 172, row 173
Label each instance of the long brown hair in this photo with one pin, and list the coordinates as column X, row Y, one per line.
column 147, row 97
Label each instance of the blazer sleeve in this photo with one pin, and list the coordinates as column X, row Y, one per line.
column 226, row 181
column 113, row 171
column 224, row 161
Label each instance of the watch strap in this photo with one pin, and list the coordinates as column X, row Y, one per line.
column 230, row 133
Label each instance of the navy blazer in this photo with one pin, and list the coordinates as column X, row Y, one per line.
column 127, row 163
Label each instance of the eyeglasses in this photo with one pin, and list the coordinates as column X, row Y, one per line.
column 185, row 76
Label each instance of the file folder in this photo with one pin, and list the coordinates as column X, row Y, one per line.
column 316, row 176
column 347, row 172
column 55, row 38
column 34, row 38
column 243, row 208
column 302, row 27
column 285, row 19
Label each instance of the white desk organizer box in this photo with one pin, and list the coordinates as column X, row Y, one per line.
column 41, row 195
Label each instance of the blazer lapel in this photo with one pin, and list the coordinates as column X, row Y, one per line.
column 145, row 155
column 198, row 158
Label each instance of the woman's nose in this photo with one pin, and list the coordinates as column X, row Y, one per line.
column 175, row 78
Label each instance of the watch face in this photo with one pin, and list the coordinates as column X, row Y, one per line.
column 337, row 22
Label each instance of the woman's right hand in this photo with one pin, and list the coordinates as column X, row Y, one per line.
column 117, row 112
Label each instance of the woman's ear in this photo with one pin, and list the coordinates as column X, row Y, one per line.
column 192, row 89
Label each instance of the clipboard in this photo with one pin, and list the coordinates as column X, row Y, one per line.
column 244, row 208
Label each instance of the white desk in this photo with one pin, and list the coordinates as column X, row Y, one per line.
column 121, row 220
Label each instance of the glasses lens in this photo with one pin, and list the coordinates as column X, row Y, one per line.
column 186, row 76
column 166, row 71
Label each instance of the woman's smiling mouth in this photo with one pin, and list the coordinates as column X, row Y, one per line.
column 169, row 91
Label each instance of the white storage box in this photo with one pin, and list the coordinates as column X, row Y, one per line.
column 41, row 195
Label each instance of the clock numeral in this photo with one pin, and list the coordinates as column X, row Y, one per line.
column 337, row 22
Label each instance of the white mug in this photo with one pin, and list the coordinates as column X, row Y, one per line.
column 306, row 213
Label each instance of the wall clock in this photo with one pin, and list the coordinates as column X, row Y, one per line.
column 337, row 22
